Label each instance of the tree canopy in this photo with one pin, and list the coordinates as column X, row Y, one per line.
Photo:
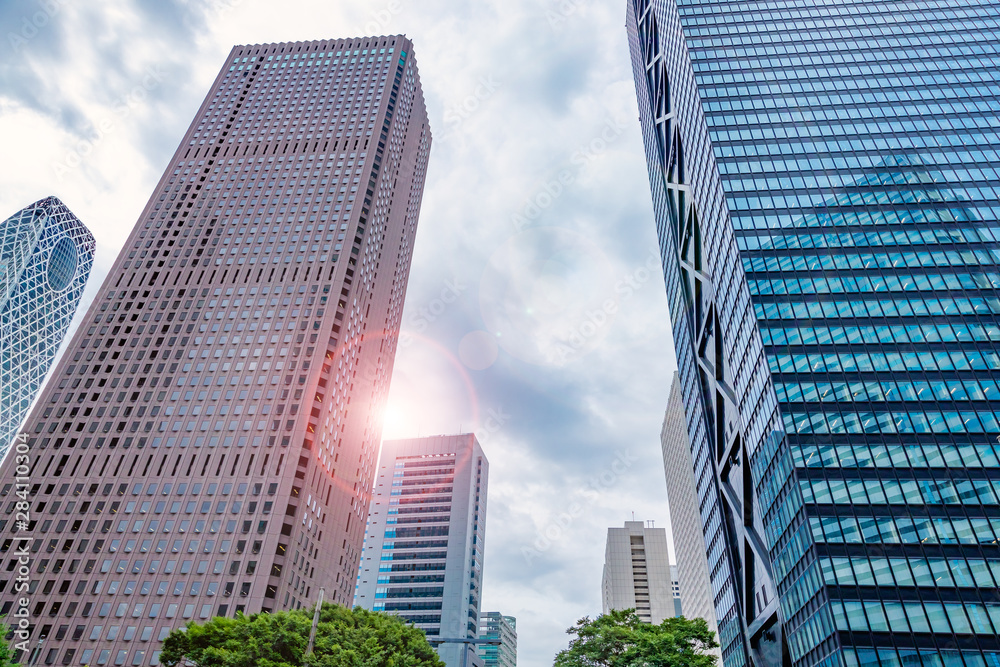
column 6, row 653
column 344, row 638
column 620, row 639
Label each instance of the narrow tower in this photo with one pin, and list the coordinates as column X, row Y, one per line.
column 423, row 557
column 46, row 254
column 497, row 627
column 638, row 574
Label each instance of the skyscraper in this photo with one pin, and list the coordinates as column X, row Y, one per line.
column 685, row 517
column 495, row 626
column 845, row 451
column 46, row 255
column 423, row 555
column 638, row 574
column 208, row 442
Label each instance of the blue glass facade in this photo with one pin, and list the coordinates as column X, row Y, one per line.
column 46, row 255
column 856, row 144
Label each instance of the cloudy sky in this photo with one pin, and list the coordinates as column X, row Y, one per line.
column 532, row 316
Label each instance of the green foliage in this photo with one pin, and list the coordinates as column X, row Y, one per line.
column 344, row 638
column 620, row 639
column 6, row 654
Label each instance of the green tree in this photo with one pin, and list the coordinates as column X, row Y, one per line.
column 344, row 638
column 6, row 654
column 620, row 639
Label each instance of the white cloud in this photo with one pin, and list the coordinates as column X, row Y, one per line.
column 519, row 92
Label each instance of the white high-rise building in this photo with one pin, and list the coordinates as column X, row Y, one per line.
column 685, row 516
column 638, row 574
column 423, row 553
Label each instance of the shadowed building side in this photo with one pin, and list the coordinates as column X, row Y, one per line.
column 685, row 517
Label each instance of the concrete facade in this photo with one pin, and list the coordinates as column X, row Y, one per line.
column 423, row 553
column 637, row 572
column 208, row 441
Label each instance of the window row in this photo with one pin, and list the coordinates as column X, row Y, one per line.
column 791, row 33
column 965, row 149
column 855, row 39
column 888, row 491
column 954, row 332
column 779, row 175
column 897, row 421
column 884, row 76
column 847, row 217
column 945, row 391
column 874, row 455
column 847, row 129
column 885, row 34
column 839, row 15
column 820, row 199
column 944, row 619
column 923, row 307
column 902, row 530
column 873, row 239
column 888, row 657
column 873, row 361
column 758, row 96
column 864, row 261
column 877, row 282
column 923, row 572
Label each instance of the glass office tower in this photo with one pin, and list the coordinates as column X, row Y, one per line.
column 46, row 254
column 855, row 146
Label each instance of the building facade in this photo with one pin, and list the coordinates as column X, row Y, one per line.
column 423, row 553
column 494, row 626
column 46, row 254
column 638, row 574
column 694, row 585
column 186, row 456
column 843, row 155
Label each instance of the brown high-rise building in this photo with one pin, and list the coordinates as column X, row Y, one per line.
column 208, row 441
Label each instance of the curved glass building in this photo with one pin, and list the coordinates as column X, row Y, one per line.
column 825, row 179
column 46, row 254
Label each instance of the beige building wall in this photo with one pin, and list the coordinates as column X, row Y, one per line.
column 685, row 516
column 637, row 572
